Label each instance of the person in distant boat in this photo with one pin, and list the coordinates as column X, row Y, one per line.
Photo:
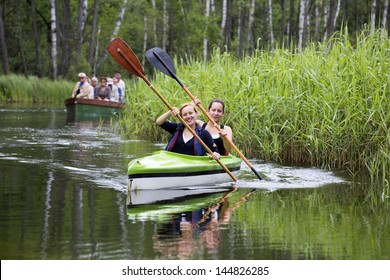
column 216, row 111
column 120, row 84
column 182, row 140
column 120, row 94
column 114, row 90
column 82, row 88
column 103, row 92
column 94, row 82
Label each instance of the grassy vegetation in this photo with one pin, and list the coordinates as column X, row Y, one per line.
column 327, row 106
column 16, row 88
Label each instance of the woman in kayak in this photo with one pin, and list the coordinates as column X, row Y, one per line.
column 216, row 111
column 182, row 140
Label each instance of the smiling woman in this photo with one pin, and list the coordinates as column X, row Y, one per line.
column 182, row 141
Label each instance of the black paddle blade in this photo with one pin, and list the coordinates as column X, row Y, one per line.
column 161, row 61
column 125, row 57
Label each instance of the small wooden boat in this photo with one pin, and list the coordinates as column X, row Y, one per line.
column 80, row 108
column 164, row 169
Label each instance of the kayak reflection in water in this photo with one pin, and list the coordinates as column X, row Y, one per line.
column 182, row 140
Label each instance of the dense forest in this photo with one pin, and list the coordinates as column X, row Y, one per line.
column 58, row 38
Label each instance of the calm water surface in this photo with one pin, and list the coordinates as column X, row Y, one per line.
column 63, row 196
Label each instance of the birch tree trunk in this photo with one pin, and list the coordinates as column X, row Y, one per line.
column 224, row 17
column 212, row 7
column 65, row 29
column 336, row 15
column 119, row 20
column 116, row 29
column 3, row 45
column 20, row 38
column 283, row 21
column 165, row 26
column 307, row 23
column 229, row 24
column 82, row 15
column 240, row 30
column 205, row 38
column 317, row 13
column 184, row 18
column 93, row 32
column 270, row 27
column 302, row 9
column 326, row 17
column 53, row 27
column 171, row 25
column 250, row 25
column 145, row 38
column 154, row 23
column 373, row 14
column 96, row 52
column 385, row 11
column 290, row 30
column 36, row 39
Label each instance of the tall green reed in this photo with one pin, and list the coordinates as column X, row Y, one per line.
column 16, row 88
column 326, row 106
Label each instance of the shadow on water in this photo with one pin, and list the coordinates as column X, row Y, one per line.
column 63, row 196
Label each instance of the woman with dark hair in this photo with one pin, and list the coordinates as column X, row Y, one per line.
column 216, row 111
column 103, row 92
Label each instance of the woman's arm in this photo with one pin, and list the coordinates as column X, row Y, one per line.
column 161, row 119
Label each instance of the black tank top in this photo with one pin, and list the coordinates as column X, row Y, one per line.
column 218, row 141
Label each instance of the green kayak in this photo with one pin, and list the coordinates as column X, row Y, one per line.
column 172, row 170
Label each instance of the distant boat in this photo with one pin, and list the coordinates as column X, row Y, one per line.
column 84, row 108
column 163, row 170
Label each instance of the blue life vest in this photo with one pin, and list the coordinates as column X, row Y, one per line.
column 199, row 150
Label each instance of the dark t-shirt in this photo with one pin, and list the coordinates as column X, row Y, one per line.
column 187, row 148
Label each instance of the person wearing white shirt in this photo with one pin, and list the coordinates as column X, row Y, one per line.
column 121, row 85
column 114, row 90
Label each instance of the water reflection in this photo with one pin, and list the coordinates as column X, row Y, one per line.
column 188, row 219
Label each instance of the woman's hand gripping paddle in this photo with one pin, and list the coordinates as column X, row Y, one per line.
column 163, row 62
column 126, row 58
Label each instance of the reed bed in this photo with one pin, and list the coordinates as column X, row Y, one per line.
column 327, row 106
column 16, row 88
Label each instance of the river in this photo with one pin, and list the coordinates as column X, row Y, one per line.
column 64, row 190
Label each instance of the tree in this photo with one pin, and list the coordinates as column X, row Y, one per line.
column 250, row 24
column 66, row 31
column 270, row 27
column 302, row 16
column 36, row 39
column 205, row 38
column 93, row 32
column 53, row 38
column 116, row 29
column 385, row 10
column 373, row 13
column 3, row 45
column 240, row 29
